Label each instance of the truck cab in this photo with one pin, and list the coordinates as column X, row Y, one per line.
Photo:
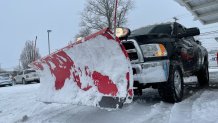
column 162, row 54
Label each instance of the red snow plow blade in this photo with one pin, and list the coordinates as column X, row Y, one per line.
column 94, row 71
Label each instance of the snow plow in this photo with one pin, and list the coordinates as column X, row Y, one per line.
column 94, row 71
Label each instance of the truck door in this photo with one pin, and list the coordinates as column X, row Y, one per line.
column 198, row 59
column 186, row 50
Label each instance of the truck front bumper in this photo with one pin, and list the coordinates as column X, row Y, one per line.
column 151, row 72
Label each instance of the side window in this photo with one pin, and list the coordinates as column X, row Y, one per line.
column 190, row 38
column 190, row 41
column 180, row 29
column 193, row 41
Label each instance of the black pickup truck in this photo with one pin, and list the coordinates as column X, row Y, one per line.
column 162, row 54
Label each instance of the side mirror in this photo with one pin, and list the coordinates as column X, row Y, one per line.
column 192, row 31
column 189, row 32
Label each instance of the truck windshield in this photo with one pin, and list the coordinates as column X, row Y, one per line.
column 153, row 29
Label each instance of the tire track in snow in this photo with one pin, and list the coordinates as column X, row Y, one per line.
column 173, row 113
column 182, row 112
column 155, row 111
column 51, row 113
column 205, row 109
column 159, row 114
column 131, row 113
column 128, row 113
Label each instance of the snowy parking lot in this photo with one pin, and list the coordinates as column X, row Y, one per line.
column 19, row 104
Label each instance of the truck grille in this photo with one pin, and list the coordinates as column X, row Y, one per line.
column 131, row 50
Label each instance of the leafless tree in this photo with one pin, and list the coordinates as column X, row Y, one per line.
column 29, row 54
column 83, row 32
column 99, row 14
column 17, row 68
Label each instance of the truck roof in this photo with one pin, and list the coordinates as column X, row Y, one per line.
column 164, row 28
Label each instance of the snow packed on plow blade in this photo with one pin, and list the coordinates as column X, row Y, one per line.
column 94, row 71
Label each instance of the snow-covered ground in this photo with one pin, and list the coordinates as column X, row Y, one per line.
column 19, row 104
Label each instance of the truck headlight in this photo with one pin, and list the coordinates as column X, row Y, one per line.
column 153, row 50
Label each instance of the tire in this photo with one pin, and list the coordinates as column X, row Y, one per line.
column 172, row 90
column 203, row 76
column 23, row 81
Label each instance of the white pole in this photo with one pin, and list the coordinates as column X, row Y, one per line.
column 35, row 49
column 49, row 41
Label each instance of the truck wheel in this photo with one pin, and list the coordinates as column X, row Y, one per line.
column 203, row 76
column 172, row 90
column 23, row 81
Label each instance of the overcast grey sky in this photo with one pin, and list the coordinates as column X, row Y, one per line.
column 22, row 20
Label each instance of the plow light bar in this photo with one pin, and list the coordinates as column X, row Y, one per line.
column 122, row 32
